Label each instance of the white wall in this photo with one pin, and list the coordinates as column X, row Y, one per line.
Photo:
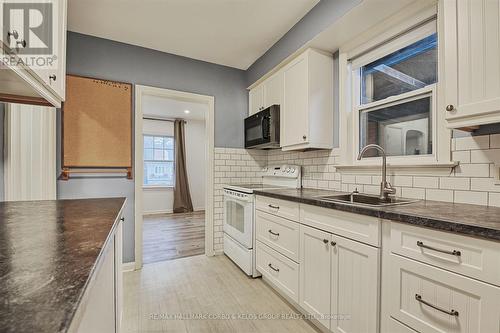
column 196, row 161
column 160, row 200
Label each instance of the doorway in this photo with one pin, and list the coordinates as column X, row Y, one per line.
column 160, row 233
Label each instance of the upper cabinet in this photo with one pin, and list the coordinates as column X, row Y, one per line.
column 304, row 90
column 33, row 49
column 472, row 62
column 308, row 102
column 267, row 93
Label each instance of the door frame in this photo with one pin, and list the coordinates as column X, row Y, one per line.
column 140, row 91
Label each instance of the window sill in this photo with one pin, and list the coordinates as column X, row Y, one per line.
column 162, row 187
column 399, row 169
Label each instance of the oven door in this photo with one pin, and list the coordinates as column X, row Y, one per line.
column 238, row 217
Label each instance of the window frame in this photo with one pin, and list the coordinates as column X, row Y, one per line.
column 144, row 186
column 401, row 30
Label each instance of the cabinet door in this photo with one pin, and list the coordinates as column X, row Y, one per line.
column 273, row 90
column 355, row 283
column 296, row 118
column 314, row 291
column 472, row 66
column 99, row 314
column 256, row 100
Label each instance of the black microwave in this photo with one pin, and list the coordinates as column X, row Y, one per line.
column 262, row 129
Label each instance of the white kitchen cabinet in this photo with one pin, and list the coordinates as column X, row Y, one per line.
column 23, row 82
column 308, row 102
column 256, row 99
column 315, row 270
column 430, row 299
column 273, row 90
column 355, row 286
column 100, row 309
column 472, row 52
column 269, row 92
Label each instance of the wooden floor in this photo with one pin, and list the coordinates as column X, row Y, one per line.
column 172, row 236
column 202, row 287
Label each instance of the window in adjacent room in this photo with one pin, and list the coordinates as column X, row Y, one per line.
column 394, row 93
column 158, row 160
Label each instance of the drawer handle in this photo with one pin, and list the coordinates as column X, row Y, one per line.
column 453, row 253
column 274, row 269
column 451, row 312
column 273, row 206
column 273, row 233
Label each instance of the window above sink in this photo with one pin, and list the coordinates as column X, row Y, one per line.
column 390, row 93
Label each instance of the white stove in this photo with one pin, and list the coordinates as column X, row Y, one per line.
column 239, row 219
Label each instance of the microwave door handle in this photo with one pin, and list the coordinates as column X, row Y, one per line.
column 263, row 127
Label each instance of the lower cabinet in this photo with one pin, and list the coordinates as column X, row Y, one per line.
column 430, row 299
column 339, row 281
column 101, row 307
column 315, row 270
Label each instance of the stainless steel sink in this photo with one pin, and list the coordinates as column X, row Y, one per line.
column 366, row 200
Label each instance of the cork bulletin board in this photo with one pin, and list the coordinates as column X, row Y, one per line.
column 96, row 124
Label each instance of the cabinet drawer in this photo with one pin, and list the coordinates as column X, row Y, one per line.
column 278, row 233
column 469, row 256
column 281, row 271
column 425, row 298
column 278, row 207
column 362, row 228
column 394, row 326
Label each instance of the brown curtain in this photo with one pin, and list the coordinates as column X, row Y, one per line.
column 182, row 196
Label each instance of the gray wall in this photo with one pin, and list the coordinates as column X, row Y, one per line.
column 321, row 16
column 96, row 57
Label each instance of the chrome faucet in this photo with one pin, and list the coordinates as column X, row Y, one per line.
column 386, row 188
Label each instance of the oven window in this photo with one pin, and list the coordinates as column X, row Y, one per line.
column 235, row 215
column 254, row 133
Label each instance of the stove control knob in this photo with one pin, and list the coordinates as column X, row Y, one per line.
column 288, row 170
column 293, row 170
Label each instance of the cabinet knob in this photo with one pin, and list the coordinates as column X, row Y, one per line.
column 53, row 77
column 12, row 33
column 325, row 241
column 304, row 137
column 21, row 43
column 450, row 107
column 333, row 243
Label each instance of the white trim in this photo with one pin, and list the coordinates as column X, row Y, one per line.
column 128, row 267
column 158, row 212
column 140, row 91
column 157, row 187
column 405, row 20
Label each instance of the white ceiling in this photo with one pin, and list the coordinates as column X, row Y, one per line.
column 162, row 107
column 234, row 33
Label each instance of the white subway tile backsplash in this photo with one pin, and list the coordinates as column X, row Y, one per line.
column 454, row 183
column 470, row 197
column 439, row 195
column 472, row 142
column 485, row 156
column 484, row 184
column 471, row 182
column 472, row 170
column 426, row 182
column 494, row 199
column 461, row 156
column 413, row 193
column 495, row 141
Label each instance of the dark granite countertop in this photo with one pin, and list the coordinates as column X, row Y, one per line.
column 471, row 220
column 48, row 250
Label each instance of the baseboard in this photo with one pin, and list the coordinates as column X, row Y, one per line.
column 128, row 266
column 158, row 212
column 169, row 211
